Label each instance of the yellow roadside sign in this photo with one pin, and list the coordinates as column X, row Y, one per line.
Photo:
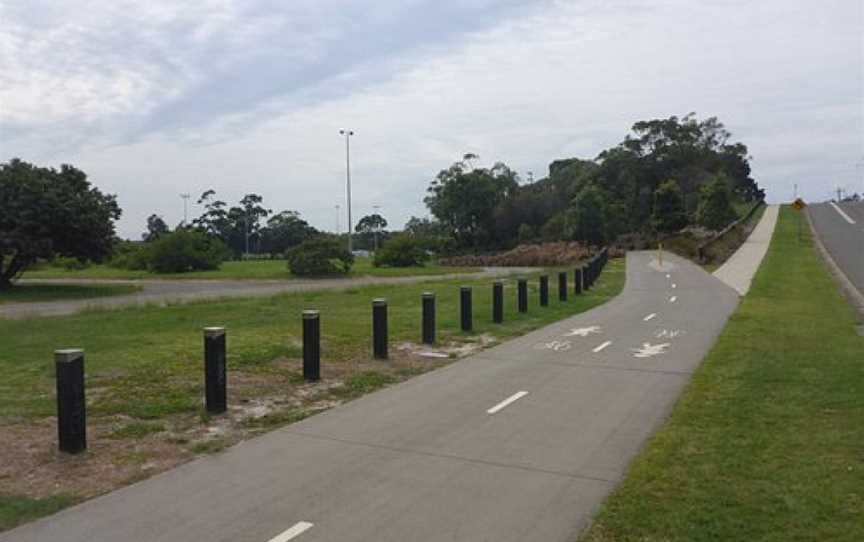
column 799, row 204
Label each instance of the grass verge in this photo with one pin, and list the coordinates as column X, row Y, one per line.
column 767, row 442
column 144, row 372
column 250, row 269
column 27, row 293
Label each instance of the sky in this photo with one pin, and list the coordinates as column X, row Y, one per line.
column 159, row 98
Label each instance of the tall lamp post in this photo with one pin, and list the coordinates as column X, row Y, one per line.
column 348, row 134
column 185, row 208
column 375, row 232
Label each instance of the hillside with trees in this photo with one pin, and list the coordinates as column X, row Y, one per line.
column 667, row 175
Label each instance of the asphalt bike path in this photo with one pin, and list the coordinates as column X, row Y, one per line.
column 520, row 442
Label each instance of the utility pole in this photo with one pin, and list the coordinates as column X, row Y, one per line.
column 185, row 208
column 338, row 226
column 839, row 194
column 348, row 134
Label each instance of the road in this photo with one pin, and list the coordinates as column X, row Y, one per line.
column 165, row 291
column 520, row 442
column 840, row 228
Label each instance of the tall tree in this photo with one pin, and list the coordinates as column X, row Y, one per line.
column 669, row 215
column 156, row 228
column 464, row 198
column 284, row 231
column 715, row 207
column 587, row 220
column 48, row 213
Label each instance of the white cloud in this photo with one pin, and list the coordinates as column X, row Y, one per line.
column 251, row 99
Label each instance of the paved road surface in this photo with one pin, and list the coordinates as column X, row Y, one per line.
column 521, row 442
column 840, row 227
column 162, row 291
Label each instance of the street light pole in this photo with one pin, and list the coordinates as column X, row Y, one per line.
column 338, row 227
column 348, row 134
column 185, row 208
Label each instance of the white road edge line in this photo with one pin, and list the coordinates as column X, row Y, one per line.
column 846, row 217
column 649, row 317
column 602, row 346
column 673, row 299
column 515, row 397
column 297, row 529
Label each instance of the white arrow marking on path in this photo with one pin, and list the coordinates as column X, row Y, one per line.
column 298, row 529
column 583, row 331
column 846, row 217
column 648, row 350
column 515, row 397
column 649, row 317
column 602, row 346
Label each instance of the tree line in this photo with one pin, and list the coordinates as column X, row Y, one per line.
column 666, row 175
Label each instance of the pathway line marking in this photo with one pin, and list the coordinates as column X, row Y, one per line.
column 297, row 529
column 602, row 346
column 674, row 285
column 649, row 317
column 515, row 397
column 673, row 299
column 846, row 217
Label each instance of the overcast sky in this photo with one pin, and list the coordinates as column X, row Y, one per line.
column 157, row 98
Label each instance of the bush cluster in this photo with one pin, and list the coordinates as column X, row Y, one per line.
column 401, row 251
column 177, row 252
column 319, row 256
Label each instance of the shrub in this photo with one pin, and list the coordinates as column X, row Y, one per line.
column 129, row 255
column 319, row 256
column 185, row 250
column 535, row 255
column 402, row 250
column 71, row 264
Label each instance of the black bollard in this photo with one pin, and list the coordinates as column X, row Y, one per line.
column 498, row 301
column 71, row 406
column 522, row 295
column 379, row 328
column 428, row 318
column 586, row 277
column 562, row 286
column 578, row 281
column 465, row 308
column 311, row 346
column 215, row 373
column 544, row 291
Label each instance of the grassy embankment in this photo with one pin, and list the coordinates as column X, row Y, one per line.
column 767, row 442
column 250, row 269
column 144, row 376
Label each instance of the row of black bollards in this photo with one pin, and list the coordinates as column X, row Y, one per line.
column 69, row 364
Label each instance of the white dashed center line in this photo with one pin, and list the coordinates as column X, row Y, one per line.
column 602, row 346
column 515, row 397
column 298, row 529
column 649, row 317
column 674, row 285
column 846, row 217
column 673, row 299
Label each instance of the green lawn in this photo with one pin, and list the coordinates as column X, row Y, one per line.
column 22, row 293
column 250, row 269
column 144, row 370
column 767, row 442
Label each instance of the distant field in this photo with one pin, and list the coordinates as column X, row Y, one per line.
column 251, row 269
column 23, row 293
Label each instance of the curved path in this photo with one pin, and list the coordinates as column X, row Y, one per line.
column 520, row 442
column 167, row 291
